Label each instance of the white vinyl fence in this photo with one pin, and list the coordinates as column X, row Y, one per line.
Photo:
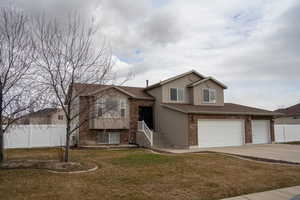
column 287, row 133
column 29, row 136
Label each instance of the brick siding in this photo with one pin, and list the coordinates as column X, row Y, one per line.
column 193, row 125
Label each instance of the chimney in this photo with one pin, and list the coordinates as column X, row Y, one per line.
column 147, row 83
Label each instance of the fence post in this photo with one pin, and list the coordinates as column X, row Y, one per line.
column 284, row 136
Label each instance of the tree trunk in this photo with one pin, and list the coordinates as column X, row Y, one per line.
column 1, row 126
column 66, row 157
column 1, row 146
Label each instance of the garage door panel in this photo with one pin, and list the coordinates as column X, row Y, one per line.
column 218, row 133
column 260, row 131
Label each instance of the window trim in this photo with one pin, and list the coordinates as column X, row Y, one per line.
column 177, row 94
column 101, row 104
column 209, row 96
column 109, row 138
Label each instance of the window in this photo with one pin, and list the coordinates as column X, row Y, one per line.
column 108, row 138
column 60, row 117
column 123, row 108
column 176, row 94
column 100, row 106
column 209, row 95
column 111, row 107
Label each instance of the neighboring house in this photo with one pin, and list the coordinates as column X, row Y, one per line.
column 291, row 115
column 44, row 116
column 184, row 111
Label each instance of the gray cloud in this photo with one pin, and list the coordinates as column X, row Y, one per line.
column 235, row 41
column 162, row 28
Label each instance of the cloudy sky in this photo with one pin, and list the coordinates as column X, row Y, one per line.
column 251, row 46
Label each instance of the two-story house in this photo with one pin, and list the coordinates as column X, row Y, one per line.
column 184, row 111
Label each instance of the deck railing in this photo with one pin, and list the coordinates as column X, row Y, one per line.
column 142, row 127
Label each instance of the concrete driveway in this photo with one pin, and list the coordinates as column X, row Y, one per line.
column 278, row 152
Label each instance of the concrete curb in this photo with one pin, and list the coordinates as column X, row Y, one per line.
column 74, row 172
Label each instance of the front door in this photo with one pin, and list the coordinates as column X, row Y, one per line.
column 146, row 114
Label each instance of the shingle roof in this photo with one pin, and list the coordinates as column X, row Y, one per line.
column 134, row 92
column 174, row 78
column 292, row 110
column 207, row 79
column 42, row 112
column 228, row 108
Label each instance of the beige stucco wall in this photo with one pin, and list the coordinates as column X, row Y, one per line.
column 54, row 117
column 198, row 93
column 111, row 123
column 39, row 120
column 287, row 120
column 171, row 126
column 157, row 94
column 174, row 128
column 179, row 83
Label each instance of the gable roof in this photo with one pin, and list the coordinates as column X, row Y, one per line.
column 207, row 79
column 292, row 110
column 42, row 113
column 227, row 109
column 90, row 89
column 174, row 78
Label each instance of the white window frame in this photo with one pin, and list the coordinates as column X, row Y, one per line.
column 210, row 91
column 177, row 94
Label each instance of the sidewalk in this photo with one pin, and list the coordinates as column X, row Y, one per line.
column 279, row 194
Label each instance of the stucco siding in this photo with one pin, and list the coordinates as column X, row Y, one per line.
column 174, row 128
column 198, row 93
column 157, row 94
column 179, row 83
column 55, row 119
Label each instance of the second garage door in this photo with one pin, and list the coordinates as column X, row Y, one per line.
column 220, row 133
column 260, row 131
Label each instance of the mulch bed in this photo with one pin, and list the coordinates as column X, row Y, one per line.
column 52, row 165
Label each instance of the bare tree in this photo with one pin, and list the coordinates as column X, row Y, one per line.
column 68, row 54
column 16, row 58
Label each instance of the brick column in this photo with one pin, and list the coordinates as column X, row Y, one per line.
column 272, row 130
column 248, row 130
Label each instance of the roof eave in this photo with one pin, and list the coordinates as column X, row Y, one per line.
column 172, row 79
column 223, row 113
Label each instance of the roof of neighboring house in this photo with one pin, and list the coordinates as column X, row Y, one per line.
column 228, row 108
column 42, row 112
column 207, row 79
column 292, row 110
column 174, row 78
column 133, row 92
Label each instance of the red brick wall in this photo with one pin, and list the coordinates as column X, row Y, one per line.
column 193, row 125
column 134, row 116
column 88, row 136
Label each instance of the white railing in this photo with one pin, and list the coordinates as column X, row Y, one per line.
column 142, row 126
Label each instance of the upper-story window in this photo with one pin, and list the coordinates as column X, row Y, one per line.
column 176, row 94
column 209, row 95
column 111, row 107
column 60, row 117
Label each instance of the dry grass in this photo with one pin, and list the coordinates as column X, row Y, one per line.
column 138, row 174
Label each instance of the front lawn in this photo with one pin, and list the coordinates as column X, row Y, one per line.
column 139, row 174
column 294, row 143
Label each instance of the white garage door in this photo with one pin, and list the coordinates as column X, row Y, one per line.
column 220, row 133
column 260, row 131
